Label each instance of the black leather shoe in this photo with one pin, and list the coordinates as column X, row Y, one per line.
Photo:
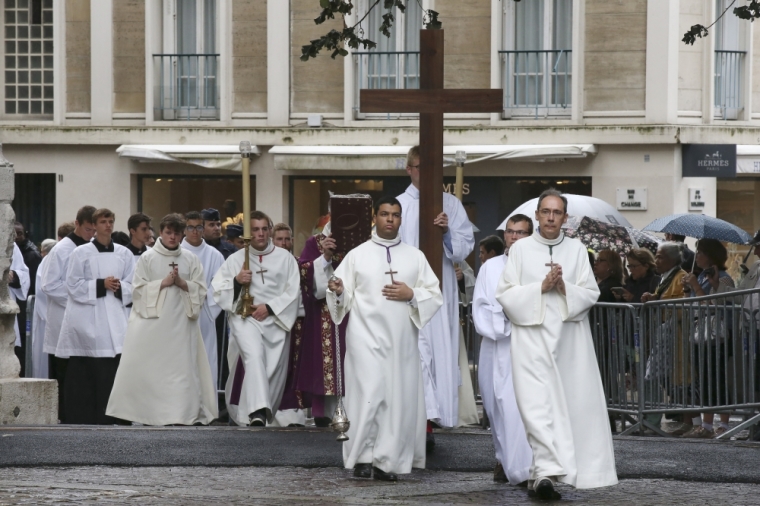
column 363, row 471
column 379, row 474
column 258, row 418
column 322, row 421
column 544, row 490
column 499, row 475
column 429, row 442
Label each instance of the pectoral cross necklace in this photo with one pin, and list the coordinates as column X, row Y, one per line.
column 388, row 258
column 262, row 269
column 551, row 263
column 173, row 265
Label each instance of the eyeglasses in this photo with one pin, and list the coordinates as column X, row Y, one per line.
column 551, row 212
column 190, row 229
column 521, row 233
column 633, row 266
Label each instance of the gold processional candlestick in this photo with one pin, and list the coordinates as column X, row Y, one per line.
column 246, row 299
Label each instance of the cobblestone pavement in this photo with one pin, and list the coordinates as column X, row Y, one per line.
column 325, row 486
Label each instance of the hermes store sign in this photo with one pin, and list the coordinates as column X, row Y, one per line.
column 632, row 199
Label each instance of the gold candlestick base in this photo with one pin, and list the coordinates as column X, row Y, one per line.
column 246, row 299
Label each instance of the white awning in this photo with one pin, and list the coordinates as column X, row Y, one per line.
column 394, row 157
column 748, row 159
column 225, row 157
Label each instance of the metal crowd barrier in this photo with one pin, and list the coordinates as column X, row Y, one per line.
column 680, row 356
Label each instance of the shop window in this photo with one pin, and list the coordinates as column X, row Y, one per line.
column 737, row 204
column 160, row 195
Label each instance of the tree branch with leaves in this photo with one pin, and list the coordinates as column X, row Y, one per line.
column 336, row 41
column 749, row 12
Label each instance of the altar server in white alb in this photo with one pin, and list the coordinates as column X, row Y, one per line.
column 547, row 289
column 391, row 292
column 164, row 376
column 39, row 357
column 513, row 453
column 259, row 344
column 211, row 260
column 98, row 281
column 18, row 284
column 439, row 339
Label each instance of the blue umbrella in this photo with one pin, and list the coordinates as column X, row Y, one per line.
column 699, row 226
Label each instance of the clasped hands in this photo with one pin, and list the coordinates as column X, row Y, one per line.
column 173, row 278
column 398, row 290
column 554, row 280
column 259, row 312
column 112, row 283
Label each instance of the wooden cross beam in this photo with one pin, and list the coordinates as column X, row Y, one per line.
column 431, row 101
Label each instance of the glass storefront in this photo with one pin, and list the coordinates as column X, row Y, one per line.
column 487, row 200
column 159, row 195
column 738, row 204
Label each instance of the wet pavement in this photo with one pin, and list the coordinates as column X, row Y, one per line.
column 139, row 465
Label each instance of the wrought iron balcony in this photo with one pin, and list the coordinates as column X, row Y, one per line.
column 186, row 86
column 729, row 70
column 386, row 70
column 537, row 83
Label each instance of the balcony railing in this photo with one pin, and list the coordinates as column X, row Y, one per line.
column 187, row 86
column 729, row 68
column 537, row 83
column 386, row 70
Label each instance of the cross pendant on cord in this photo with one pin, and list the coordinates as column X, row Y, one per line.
column 173, row 265
column 262, row 271
column 391, row 272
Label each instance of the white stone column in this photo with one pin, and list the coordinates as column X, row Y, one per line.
column 278, row 63
column 101, row 75
column 662, row 61
column 22, row 401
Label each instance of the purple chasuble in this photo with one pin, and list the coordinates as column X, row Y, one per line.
column 316, row 370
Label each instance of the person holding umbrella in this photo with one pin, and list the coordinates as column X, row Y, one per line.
column 711, row 257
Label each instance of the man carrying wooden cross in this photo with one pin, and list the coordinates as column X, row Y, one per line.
column 439, row 339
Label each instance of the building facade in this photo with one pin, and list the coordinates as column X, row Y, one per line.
column 139, row 105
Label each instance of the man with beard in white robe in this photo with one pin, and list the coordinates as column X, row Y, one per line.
column 513, row 453
column 439, row 339
column 384, row 393
column 547, row 289
column 99, row 285
column 164, row 376
column 54, row 286
column 211, row 260
column 259, row 344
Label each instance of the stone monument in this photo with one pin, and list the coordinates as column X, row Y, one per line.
column 23, row 401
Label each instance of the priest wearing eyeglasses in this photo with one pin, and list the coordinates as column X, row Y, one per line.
column 547, row 289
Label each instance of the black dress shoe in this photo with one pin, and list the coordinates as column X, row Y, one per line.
column 544, row 490
column 322, row 421
column 363, row 471
column 379, row 474
column 257, row 418
column 499, row 475
column 429, row 442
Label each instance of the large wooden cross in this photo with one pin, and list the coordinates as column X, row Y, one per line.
column 431, row 101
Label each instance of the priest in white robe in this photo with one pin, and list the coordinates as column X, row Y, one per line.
column 211, row 260
column 513, row 453
column 391, row 292
column 547, row 289
column 164, row 376
column 439, row 340
column 259, row 344
column 98, row 282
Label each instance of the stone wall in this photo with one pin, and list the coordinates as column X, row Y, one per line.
column 467, row 52
column 690, row 58
column 249, row 56
column 129, row 56
column 77, row 55
column 615, row 55
column 316, row 85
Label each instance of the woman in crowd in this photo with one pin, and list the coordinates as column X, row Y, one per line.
column 608, row 270
column 711, row 257
column 642, row 276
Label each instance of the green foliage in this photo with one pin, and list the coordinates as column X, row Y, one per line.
column 749, row 12
column 353, row 36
